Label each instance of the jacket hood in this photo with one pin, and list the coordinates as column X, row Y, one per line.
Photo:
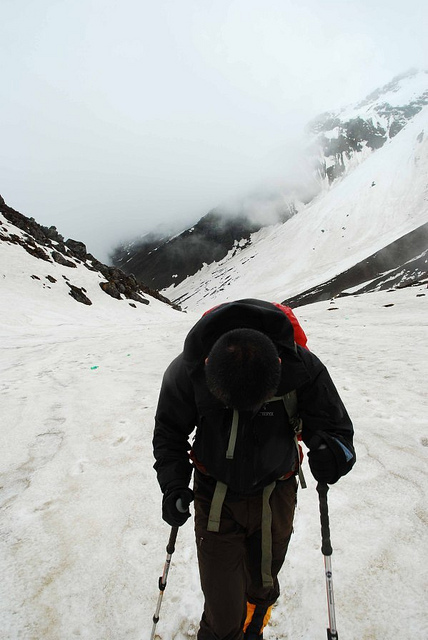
column 246, row 314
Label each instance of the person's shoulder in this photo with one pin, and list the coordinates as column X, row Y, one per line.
column 176, row 366
column 312, row 362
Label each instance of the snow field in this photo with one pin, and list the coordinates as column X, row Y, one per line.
column 81, row 536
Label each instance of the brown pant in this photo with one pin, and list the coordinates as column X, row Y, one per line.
column 230, row 560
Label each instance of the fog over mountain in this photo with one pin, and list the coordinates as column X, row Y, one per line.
column 119, row 116
column 365, row 189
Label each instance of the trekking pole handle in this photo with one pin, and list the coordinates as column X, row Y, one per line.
column 181, row 506
column 326, row 547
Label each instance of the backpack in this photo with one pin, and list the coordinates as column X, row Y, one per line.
column 299, row 335
column 290, row 404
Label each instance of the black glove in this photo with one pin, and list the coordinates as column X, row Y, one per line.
column 329, row 459
column 175, row 506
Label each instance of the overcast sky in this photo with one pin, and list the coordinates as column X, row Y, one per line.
column 117, row 116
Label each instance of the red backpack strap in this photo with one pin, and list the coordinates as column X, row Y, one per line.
column 299, row 334
column 209, row 310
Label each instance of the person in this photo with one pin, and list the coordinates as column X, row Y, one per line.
column 228, row 390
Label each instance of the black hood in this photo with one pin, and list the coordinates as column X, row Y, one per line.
column 246, row 314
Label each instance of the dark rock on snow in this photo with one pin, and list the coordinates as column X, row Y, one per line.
column 47, row 244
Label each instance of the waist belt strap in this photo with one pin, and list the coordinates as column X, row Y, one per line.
column 214, row 525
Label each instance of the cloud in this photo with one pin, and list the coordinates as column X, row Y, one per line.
column 119, row 116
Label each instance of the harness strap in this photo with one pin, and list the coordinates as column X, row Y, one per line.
column 216, row 507
column 290, row 404
column 266, row 563
column 233, row 435
column 220, row 487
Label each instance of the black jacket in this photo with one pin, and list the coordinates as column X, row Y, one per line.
column 265, row 449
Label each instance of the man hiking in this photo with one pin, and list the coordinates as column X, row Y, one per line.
column 246, row 390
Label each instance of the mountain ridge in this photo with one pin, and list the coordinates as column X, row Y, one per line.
column 380, row 200
column 69, row 262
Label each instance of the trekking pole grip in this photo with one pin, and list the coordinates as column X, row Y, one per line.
column 326, row 547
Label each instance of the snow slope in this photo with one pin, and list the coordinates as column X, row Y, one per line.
column 382, row 199
column 334, row 144
column 82, row 543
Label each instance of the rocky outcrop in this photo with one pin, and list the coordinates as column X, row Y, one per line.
column 350, row 139
column 79, row 294
column 340, row 138
column 45, row 243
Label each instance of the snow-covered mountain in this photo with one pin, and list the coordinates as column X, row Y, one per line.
column 162, row 260
column 380, row 200
column 348, row 136
column 337, row 144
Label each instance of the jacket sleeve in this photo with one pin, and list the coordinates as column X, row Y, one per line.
column 325, row 418
column 175, row 420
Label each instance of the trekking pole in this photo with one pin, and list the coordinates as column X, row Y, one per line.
column 327, row 550
column 162, row 580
